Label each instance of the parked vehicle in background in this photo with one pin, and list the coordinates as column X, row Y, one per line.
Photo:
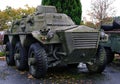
column 112, row 46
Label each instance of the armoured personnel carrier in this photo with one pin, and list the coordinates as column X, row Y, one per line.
column 112, row 46
column 47, row 38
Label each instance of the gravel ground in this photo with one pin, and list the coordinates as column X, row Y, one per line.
column 60, row 75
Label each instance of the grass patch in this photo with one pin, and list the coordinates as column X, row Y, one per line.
column 2, row 54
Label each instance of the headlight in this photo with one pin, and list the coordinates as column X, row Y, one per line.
column 102, row 34
column 50, row 34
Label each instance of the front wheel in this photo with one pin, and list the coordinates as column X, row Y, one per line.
column 37, row 61
column 99, row 63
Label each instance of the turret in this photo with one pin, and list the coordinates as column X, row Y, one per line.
column 45, row 9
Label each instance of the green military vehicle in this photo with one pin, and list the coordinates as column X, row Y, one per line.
column 112, row 46
column 47, row 39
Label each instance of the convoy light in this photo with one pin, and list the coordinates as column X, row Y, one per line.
column 43, row 38
column 102, row 34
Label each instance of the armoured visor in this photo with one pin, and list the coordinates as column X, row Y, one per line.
column 80, row 42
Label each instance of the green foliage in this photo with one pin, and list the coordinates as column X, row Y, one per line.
column 2, row 54
column 72, row 8
column 10, row 14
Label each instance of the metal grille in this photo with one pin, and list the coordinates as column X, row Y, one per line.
column 85, row 40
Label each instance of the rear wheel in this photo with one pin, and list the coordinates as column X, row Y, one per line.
column 9, row 54
column 99, row 63
column 37, row 61
column 20, row 57
column 109, row 54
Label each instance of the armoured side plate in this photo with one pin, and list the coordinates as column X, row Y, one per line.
column 22, row 38
column 10, row 38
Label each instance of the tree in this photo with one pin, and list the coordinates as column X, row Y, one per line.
column 70, row 7
column 101, row 9
column 90, row 24
column 10, row 14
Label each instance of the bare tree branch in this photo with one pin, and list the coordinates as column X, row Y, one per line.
column 101, row 9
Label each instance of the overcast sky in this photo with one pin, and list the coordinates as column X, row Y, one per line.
column 18, row 3
column 34, row 3
column 86, row 6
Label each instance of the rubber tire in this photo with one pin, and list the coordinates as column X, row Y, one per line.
column 10, row 57
column 100, row 61
column 23, row 61
column 40, row 65
column 109, row 54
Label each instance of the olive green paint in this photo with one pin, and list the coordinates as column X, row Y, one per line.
column 75, row 43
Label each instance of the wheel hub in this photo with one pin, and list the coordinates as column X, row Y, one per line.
column 32, row 69
column 17, row 56
column 17, row 63
column 31, row 61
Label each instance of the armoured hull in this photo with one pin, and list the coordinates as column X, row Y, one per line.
column 47, row 38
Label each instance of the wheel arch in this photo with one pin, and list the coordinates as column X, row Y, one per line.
column 15, row 39
column 6, row 39
column 29, row 39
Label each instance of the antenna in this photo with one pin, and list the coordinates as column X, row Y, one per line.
column 45, row 16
